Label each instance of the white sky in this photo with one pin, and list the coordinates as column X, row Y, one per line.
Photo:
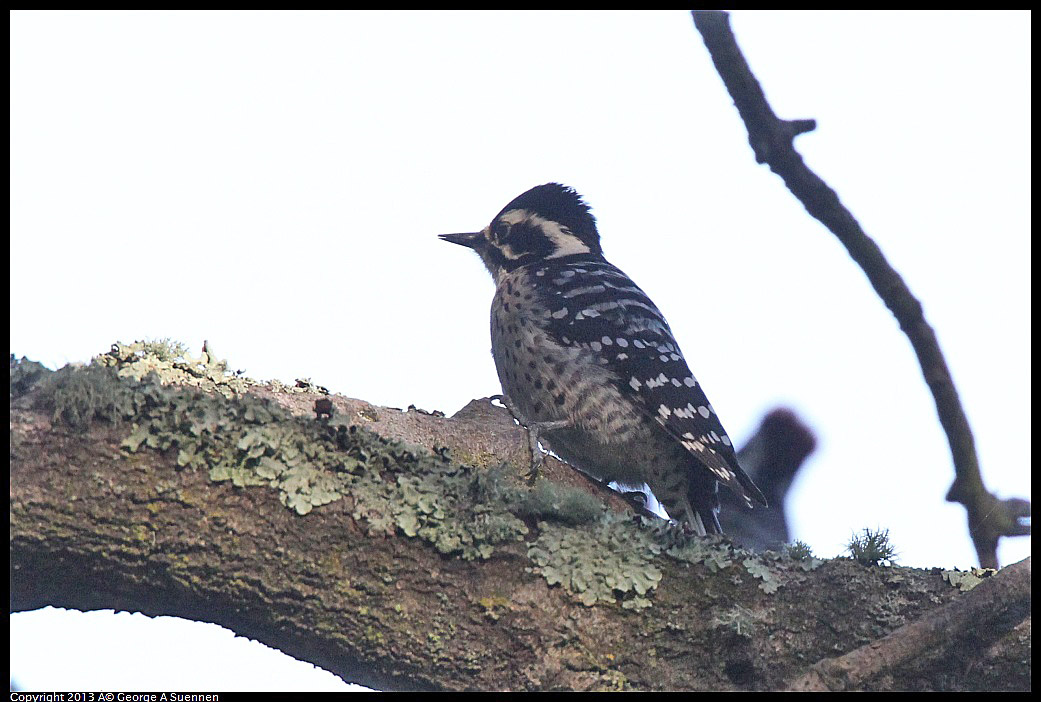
column 274, row 181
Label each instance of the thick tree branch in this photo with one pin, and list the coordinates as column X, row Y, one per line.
column 771, row 139
column 986, row 614
column 366, row 595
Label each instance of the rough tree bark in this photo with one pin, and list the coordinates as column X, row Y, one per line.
column 95, row 524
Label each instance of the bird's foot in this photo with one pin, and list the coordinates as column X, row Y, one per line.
column 534, row 429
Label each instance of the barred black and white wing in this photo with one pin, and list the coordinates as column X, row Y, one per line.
column 596, row 306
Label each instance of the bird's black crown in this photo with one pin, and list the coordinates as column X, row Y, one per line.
column 561, row 204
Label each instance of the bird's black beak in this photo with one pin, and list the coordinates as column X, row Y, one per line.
column 469, row 240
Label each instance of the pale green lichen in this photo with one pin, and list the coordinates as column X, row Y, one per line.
column 759, row 569
column 612, row 681
column 439, row 506
column 712, row 552
column 601, row 563
column 170, row 401
column 172, row 364
column 966, row 580
column 552, row 501
column 76, row 396
column 717, row 553
column 740, row 620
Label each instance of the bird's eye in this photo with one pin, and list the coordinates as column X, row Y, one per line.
column 500, row 231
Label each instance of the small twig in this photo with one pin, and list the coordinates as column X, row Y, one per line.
column 771, row 140
column 990, row 610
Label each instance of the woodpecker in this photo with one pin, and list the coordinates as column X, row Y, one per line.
column 589, row 365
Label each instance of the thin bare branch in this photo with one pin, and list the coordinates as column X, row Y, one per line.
column 771, row 138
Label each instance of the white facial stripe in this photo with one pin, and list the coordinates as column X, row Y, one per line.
column 565, row 243
column 514, row 216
